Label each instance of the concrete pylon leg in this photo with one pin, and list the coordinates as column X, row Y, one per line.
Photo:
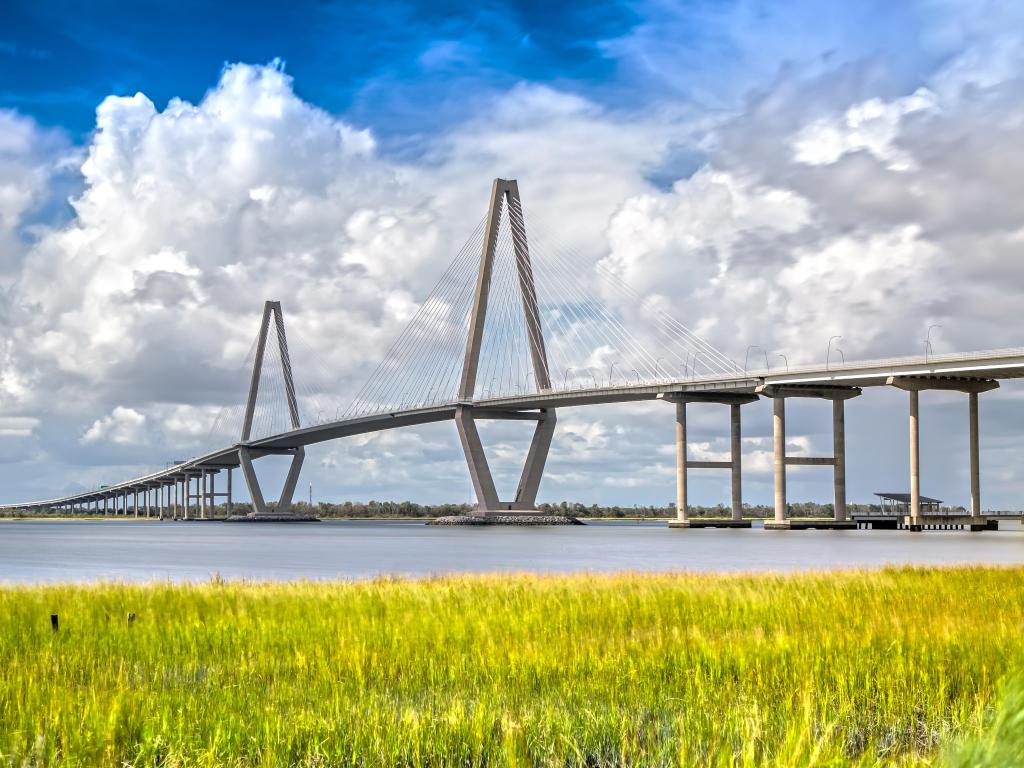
column 284, row 503
column 915, row 460
column 229, row 493
column 259, row 504
column 536, row 458
column 682, row 508
column 779, row 461
column 839, row 457
column 975, row 458
column 736, row 456
column 480, row 471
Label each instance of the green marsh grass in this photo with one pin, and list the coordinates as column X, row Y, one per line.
column 894, row 667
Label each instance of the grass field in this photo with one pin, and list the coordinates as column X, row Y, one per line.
column 894, row 667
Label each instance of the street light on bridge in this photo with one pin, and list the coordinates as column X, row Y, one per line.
column 746, row 357
column 928, row 341
column 828, row 354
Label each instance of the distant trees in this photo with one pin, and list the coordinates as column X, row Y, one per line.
column 408, row 509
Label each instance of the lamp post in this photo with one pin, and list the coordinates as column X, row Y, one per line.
column 928, row 341
column 828, row 354
column 746, row 357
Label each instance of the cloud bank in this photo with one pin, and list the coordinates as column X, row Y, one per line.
column 822, row 203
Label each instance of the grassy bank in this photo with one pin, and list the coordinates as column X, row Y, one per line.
column 896, row 667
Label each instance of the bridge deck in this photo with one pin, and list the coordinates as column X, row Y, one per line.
column 994, row 364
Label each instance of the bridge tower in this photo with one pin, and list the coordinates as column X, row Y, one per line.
column 504, row 201
column 271, row 310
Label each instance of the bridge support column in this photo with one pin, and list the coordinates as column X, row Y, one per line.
column 682, row 504
column 838, row 395
column 201, row 483
column 229, row 506
column 972, row 387
column 839, row 458
column 915, row 463
column 975, row 457
column 684, row 464
column 779, row 457
column 736, row 454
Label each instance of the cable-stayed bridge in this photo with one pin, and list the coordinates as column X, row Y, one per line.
column 516, row 328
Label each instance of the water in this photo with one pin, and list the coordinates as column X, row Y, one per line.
column 86, row 550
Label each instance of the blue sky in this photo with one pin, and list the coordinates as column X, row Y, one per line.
column 774, row 173
column 407, row 68
column 61, row 58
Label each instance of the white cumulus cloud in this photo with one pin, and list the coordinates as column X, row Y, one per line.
column 123, row 426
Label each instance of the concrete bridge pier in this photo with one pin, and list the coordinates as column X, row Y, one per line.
column 972, row 387
column 838, row 395
column 972, row 399
column 684, row 464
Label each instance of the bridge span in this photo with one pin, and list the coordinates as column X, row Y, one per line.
column 189, row 487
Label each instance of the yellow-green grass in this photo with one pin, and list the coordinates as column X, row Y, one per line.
column 891, row 667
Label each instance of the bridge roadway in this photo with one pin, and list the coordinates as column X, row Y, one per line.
column 933, row 371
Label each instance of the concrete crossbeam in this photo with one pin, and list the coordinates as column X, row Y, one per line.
column 950, row 383
column 810, row 461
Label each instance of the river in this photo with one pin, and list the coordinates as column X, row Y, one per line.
column 33, row 551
